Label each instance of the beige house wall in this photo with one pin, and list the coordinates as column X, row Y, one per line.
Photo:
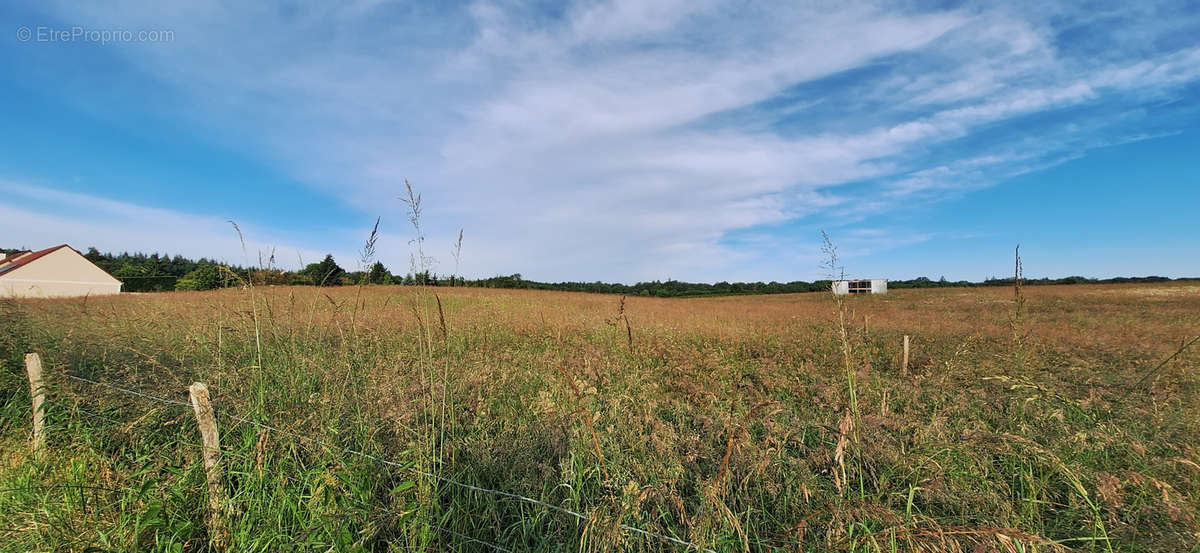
column 61, row 273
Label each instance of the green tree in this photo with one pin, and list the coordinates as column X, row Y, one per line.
column 325, row 273
column 128, row 270
column 379, row 274
column 94, row 255
column 205, row 277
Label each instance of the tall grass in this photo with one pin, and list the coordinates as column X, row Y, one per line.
column 1017, row 322
column 727, row 423
column 836, row 272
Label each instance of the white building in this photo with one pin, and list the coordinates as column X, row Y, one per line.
column 872, row 286
column 53, row 273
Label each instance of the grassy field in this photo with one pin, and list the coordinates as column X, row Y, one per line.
column 759, row 423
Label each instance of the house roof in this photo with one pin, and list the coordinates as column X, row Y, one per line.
column 16, row 261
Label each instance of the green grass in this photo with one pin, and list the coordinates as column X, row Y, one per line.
column 725, row 424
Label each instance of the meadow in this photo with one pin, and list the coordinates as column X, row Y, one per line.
column 1057, row 418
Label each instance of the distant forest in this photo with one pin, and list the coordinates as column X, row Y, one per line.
column 150, row 273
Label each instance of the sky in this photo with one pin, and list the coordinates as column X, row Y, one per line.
column 611, row 140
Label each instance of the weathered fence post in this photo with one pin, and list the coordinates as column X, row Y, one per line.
column 37, row 394
column 217, row 497
column 904, row 363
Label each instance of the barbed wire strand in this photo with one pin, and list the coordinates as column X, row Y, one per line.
column 180, row 403
column 402, row 466
column 128, row 391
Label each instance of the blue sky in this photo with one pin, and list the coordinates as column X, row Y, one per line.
column 617, row 141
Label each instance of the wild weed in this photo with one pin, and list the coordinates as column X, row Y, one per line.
column 836, row 272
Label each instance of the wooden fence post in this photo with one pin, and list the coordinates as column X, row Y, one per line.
column 37, row 394
column 218, row 499
column 904, row 363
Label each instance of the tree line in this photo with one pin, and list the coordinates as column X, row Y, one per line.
column 675, row 288
column 153, row 272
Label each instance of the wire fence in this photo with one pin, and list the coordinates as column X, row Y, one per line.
column 401, row 466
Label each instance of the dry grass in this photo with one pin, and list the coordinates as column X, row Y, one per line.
column 723, row 421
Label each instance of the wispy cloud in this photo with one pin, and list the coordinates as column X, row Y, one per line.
column 628, row 139
column 44, row 216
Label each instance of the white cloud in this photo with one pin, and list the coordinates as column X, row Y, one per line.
column 580, row 144
column 37, row 217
